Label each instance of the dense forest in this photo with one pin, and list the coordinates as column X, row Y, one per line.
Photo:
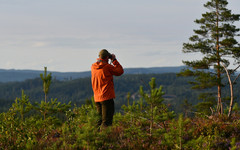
column 176, row 89
column 79, row 90
column 145, row 122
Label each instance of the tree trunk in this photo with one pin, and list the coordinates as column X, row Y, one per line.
column 220, row 108
column 45, row 98
column 151, row 124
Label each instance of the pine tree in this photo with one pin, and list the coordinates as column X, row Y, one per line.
column 49, row 107
column 22, row 105
column 156, row 110
column 46, row 78
column 215, row 40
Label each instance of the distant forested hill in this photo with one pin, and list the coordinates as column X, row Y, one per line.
column 79, row 90
column 21, row 75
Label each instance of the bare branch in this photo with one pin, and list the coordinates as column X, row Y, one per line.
column 236, row 78
column 231, row 91
column 236, row 68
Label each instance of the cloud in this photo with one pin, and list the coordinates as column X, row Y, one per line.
column 9, row 64
column 39, row 44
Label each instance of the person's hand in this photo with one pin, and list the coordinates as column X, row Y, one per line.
column 113, row 57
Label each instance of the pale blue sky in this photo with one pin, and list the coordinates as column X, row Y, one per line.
column 66, row 35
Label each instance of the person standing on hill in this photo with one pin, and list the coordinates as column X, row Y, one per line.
column 103, row 87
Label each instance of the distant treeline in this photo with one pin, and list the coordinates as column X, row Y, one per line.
column 13, row 75
column 79, row 90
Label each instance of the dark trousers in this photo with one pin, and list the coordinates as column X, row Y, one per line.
column 105, row 111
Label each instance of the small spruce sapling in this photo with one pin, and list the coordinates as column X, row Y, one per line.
column 52, row 107
column 46, row 78
column 22, row 105
column 156, row 110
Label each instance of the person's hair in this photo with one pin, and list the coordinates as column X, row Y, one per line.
column 104, row 54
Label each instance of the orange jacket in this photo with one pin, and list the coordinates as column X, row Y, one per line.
column 102, row 79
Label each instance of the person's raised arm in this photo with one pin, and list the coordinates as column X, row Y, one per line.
column 117, row 68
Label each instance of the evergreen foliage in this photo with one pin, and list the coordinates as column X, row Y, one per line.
column 77, row 91
column 215, row 40
column 46, row 78
column 155, row 110
column 176, row 90
column 130, row 130
column 48, row 108
column 22, row 105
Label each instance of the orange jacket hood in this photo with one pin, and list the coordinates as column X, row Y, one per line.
column 99, row 64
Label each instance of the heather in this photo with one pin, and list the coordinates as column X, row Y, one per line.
column 146, row 123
